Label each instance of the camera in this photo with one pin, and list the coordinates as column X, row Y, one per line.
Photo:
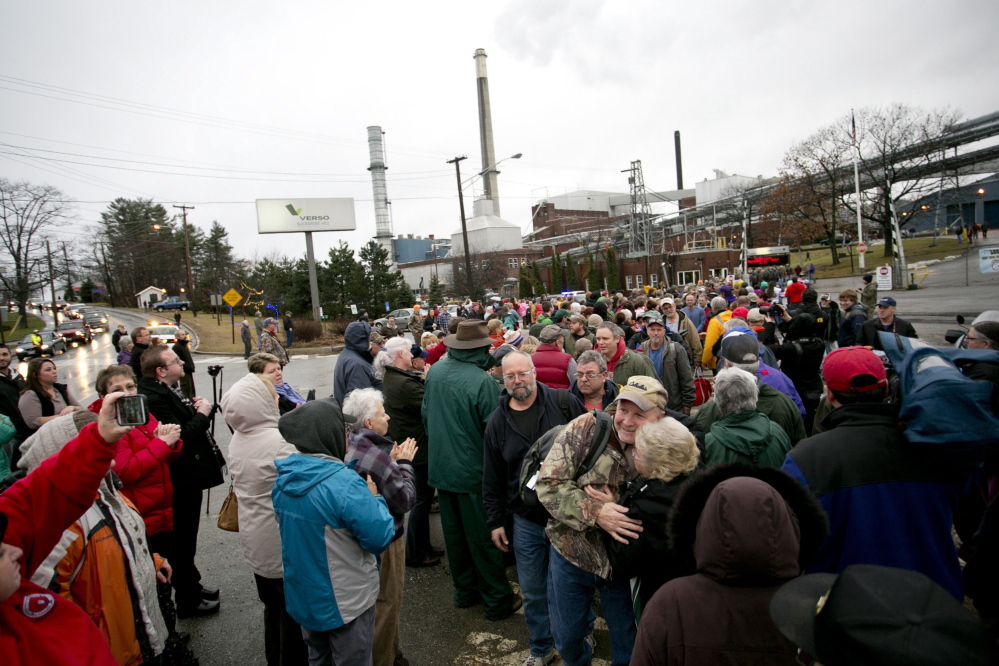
column 214, row 370
column 773, row 310
column 130, row 410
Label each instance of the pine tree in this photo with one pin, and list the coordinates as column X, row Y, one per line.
column 382, row 284
column 87, row 291
column 557, row 275
column 341, row 281
column 436, row 294
column 593, row 274
column 526, row 287
column 613, row 280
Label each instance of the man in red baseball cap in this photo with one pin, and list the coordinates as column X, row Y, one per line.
column 886, row 504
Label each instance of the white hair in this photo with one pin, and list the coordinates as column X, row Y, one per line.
column 576, row 307
column 751, row 368
column 125, row 342
column 735, row 391
column 733, row 322
column 719, row 304
column 382, row 360
column 362, row 404
column 394, row 346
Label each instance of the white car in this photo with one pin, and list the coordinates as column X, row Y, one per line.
column 163, row 333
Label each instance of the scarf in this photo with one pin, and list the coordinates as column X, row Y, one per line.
column 611, row 364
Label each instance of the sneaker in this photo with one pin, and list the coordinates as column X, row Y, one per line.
column 546, row 660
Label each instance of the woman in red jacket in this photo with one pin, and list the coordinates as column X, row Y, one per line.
column 141, row 461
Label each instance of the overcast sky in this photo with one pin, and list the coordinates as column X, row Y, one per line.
column 245, row 100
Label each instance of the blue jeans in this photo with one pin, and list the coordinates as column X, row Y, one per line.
column 289, row 338
column 570, row 598
column 530, row 545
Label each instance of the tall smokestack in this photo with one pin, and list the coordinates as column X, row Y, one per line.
column 383, row 221
column 489, row 185
column 679, row 161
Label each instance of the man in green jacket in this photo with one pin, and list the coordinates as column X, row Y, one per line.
column 458, row 398
column 743, row 434
column 622, row 363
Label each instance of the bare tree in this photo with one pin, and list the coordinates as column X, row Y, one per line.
column 27, row 213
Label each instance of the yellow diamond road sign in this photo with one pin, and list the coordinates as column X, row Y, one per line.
column 232, row 297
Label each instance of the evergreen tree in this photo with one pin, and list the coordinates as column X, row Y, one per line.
column 539, row 284
column 436, row 294
column 526, row 286
column 569, row 266
column 556, row 274
column 593, row 273
column 613, row 279
column 215, row 264
column 341, row 281
column 382, row 284
column 87, row 291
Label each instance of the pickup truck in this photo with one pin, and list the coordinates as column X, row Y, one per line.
column 172, row 303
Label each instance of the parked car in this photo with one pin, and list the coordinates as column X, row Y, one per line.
column 163, row 333
column 75, row 332
column 52, row 344
column 401, row 318
column 172, row 303
column 96, row 320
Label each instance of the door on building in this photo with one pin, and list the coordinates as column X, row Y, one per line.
column 688, row 277
column 991, row 217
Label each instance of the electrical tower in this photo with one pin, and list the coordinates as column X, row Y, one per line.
column 640, row 220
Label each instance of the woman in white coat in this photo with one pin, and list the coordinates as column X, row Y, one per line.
column 250, row 408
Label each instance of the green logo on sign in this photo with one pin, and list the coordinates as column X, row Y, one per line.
column 293, row 210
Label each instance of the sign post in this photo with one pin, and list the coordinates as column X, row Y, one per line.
column 232, row 298
column 862, row 249
column 280, row 216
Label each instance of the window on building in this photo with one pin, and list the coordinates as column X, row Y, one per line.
column 627, row 281
column 485, row 264
column 512, row 263
column 638, row 280
column 654, row 279
column 688, row 277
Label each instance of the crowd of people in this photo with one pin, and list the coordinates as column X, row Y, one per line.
column 773, row 514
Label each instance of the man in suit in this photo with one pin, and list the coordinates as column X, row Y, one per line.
column 196, row 469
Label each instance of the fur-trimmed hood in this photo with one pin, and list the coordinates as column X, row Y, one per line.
column 740, row 524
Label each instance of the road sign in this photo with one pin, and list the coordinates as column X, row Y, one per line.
column 861, row 248
column 883, row 278
column 232, row 297
column 988, row 260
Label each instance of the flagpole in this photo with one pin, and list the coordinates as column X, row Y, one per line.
column 856, row 180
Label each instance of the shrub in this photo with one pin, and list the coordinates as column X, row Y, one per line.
column 307, row 330
column 338, row 325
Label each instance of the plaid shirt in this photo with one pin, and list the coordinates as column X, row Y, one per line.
column 443, row 319
column 394, row 479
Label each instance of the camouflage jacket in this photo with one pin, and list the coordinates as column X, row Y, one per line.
column 573, row 529
column 269, row 344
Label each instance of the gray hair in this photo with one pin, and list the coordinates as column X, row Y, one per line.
column 735, row 391
column 515, row 353
column 396, row 345
column 719, row 304
column 751, row 368
column 667, row 449
column 362, row 404
column 733, row 322
column 592, row 356
column 382, row 360
column 575, row 307
column 125, row 342
column 613, row 328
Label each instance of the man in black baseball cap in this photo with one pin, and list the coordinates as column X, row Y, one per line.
column 884, row 321
column 875, row 615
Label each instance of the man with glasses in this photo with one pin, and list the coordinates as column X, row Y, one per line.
column 527, row 409
column 592, row 384
column 141, row 341
column 196, row 469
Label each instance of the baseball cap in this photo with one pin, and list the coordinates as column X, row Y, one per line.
column 870, row 614
column 644, row 392
column 754, row 315
column 577, row 319
column 550, row 334
column 418, row 352
column 823, row 297
column 654, row 318
column 667, row 299
column 886, row 301
column 375, row 337
column 740, row 346
column 740, row 313
column 853, row 370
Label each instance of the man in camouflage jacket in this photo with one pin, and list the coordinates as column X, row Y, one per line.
column 578, row 563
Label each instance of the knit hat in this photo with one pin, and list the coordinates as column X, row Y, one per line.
column 513, row 338
column 316, row 427
column 595, row 320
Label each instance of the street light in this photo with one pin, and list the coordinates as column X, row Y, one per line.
column 491, row 168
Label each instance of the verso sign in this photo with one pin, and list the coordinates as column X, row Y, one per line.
column 281, row 216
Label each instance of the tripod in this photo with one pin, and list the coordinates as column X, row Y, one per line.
column 215, row 372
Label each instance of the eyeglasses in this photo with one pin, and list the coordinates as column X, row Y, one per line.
column 176, row 361
column 522, row 376
column 589, row 375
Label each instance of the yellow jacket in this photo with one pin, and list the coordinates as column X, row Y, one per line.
column 716, row 327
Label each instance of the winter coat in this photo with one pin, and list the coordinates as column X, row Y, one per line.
column 353, row 366
column 674, row 374
column 11, row 385
column 458, row 398
column 716, row 328
column 771, row 403
column 181, row 349
column 135, row 360
column 553, row 366
column 115, row 337
column 369, row 454
column 627, row 364
column 869, row 297
column 39, row 627
column 748, row 437
column 244, row 334
column 506, row 446
column 886, row 505
column 738, row 532
column 125, row 357
column 852, row 321
column 869, row 337
column 691, row 339
column 269, row 344
column 800, row 357
column 332, row 528
column 197, row 466
column 142, row 462
column 610, row 392
column 256, row 443
column 403, row 391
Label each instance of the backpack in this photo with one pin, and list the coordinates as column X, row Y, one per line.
column 530, row 470
column 943, row 413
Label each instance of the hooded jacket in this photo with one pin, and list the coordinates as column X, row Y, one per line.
column 800, row 354
column 747, row 436
column 458, row 398
column 715, row 330
column 332, row 528
column 256, row 443
column 102, row 563
column 849, row 328
column 40, row 627
column 771, row 403
column 353, row 366
column 626, row 364
column 403, row 391
column 142, row 462
column 738, row 532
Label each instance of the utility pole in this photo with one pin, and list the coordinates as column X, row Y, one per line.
column 55, row 312
column 464, row 229
column 69, row 274
column 187, row 254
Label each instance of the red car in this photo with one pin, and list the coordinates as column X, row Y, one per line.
column 75, row 332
